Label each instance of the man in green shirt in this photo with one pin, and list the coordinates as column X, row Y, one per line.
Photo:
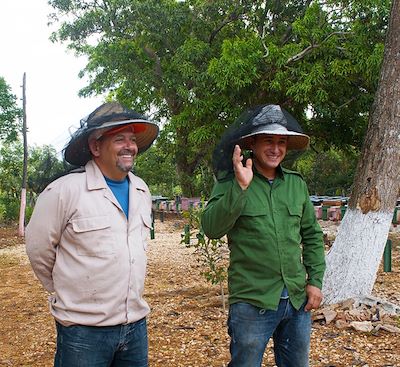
column 276, row 245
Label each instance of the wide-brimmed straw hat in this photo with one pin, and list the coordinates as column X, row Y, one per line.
column 103, row 119
column 264, row 119
column 274, row 120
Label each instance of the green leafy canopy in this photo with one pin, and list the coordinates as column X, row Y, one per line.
column 198, row 64
column 10, row 113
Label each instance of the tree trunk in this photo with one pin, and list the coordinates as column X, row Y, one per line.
column 185, row 173
column 353, row 261
column 184, row 163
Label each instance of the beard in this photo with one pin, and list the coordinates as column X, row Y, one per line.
column 125, row 166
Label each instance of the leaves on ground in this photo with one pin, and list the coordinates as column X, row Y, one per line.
column 187, row 326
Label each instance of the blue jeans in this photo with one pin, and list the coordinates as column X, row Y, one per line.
column 106, row 346
column 250, row 329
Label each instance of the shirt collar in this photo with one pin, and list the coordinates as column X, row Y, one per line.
column 96, row 180
column 279, row 173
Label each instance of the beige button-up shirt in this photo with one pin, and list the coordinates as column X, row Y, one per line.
column 87, row 253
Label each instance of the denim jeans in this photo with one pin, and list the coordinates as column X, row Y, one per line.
column 250, row 329
column 107, row 346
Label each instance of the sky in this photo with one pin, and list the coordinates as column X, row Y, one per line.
column 53, row 107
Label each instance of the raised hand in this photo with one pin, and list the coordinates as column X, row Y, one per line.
column 243, row 174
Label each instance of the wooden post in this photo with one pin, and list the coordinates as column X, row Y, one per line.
column 342, row 211
column 325, row 212
column 187, row 234
column 152, row 229
column 394, row 220
column 21, row 227
column 387, row 257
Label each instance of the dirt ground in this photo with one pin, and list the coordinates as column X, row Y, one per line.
column 187, row 325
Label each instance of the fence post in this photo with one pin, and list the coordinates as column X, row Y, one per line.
column 187, row 234
column 394, row 219
column 152, row 233
column 342, row 211
column 325, row 212
column 387, row 257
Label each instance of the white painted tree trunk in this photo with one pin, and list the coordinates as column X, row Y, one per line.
column 354, row 258
column 353, row 262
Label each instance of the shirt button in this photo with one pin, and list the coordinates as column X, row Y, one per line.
column 132, row 261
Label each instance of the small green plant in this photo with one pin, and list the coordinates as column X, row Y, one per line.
column 9, row 206
column 208, row 251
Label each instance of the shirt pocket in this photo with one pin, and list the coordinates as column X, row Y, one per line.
column 255, row 211
column 252, row 222
column 146, row 227
column 93, row 236
column 295, row 214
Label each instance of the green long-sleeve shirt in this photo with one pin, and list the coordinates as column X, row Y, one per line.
column 273, row 237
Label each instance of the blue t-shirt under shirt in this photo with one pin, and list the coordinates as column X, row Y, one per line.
column 120, row 190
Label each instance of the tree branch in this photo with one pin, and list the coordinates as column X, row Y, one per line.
column 157, row 63
column 301, row 54
column 232, row 17
column 286, row 36
column 171, row 99
column 307, row 50
column 346, row 103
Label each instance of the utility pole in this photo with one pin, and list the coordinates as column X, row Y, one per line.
column 21, row 228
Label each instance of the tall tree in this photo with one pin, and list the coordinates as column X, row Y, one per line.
column 353, row 261
column 43, row 167
column 320, row 170
column 199, row 63
column 10, row 113
column 158, row 170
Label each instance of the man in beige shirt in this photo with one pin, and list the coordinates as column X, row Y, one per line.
column 86, row 242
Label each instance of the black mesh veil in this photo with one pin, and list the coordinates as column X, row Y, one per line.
column 108, row 112
column 255, row 120
column 108, row 115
